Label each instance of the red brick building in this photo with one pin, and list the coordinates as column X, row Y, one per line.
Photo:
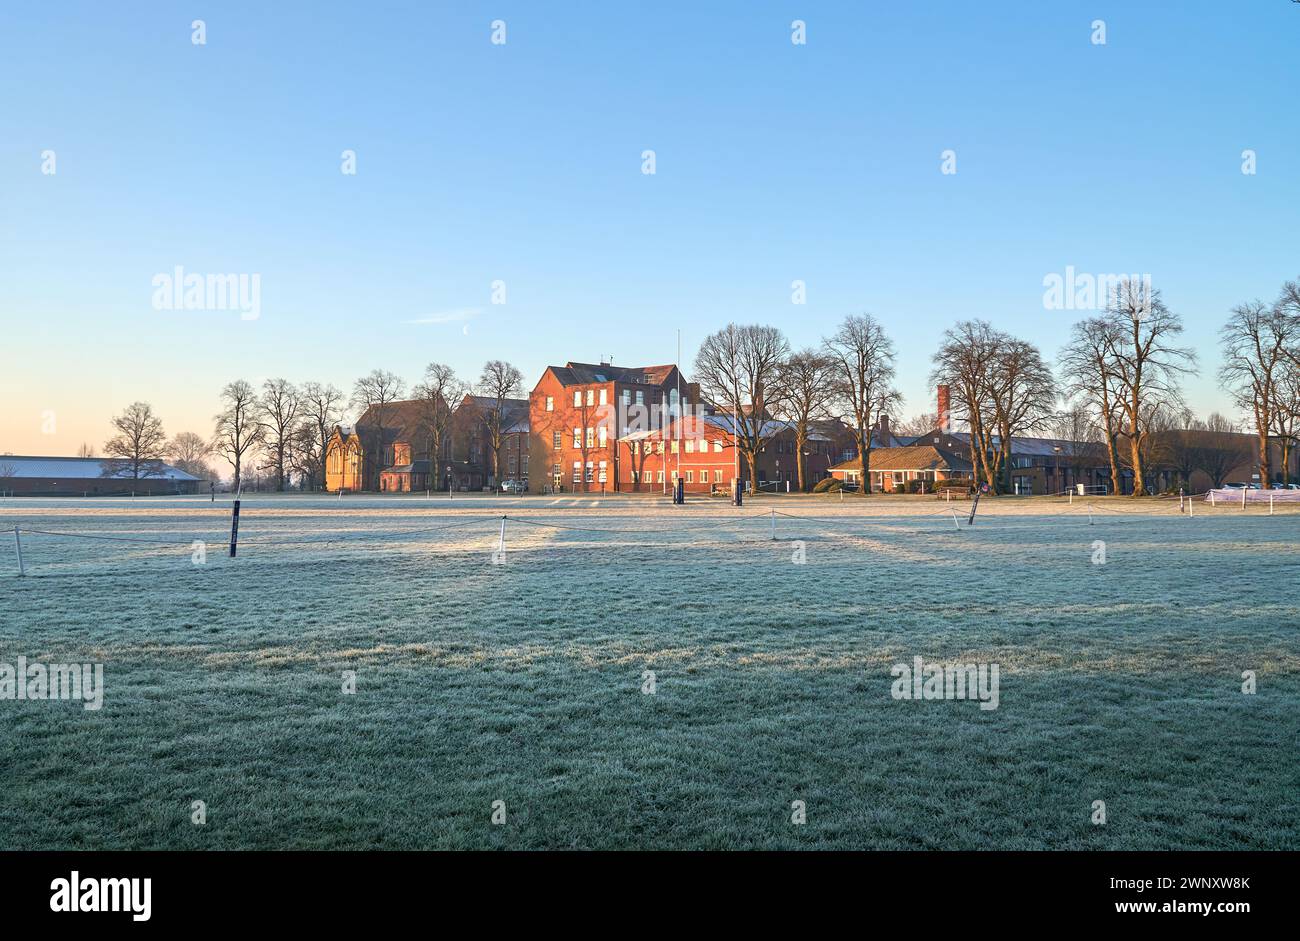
column 917, row 468
column 578, row 412
column 470, row 455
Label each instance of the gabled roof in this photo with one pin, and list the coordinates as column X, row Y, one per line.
column 402, row 421
column 514, row 413
column 916, row 457
column 578, row 374
column 84, row 468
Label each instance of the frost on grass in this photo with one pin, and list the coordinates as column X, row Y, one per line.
column 523, row 679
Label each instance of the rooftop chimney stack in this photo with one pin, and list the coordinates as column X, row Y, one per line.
column 945, row 411
column 883, row 436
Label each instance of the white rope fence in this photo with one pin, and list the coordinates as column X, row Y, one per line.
column 731, row 528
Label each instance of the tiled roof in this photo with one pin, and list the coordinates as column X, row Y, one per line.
column 911, row 458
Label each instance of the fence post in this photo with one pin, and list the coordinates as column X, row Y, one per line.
column 1089, row 514
column 974, row 505
column 234, row 528
column 502, row 547
column 18, row 544
column 1243, row 496
column 1270, row 503
column 774, row 523
column 956, row 525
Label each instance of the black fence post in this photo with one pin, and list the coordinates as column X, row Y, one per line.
column 234, row 529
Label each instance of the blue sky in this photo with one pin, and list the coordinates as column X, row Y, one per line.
column 522, row 163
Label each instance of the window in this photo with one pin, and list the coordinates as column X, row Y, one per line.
column 577, row 437
column 717, row 445
column 674, row 447
column 661, row 477
column 602, row 397
column 601, row 434
column 627, row 396
column 591, row 397
column 523, row 466
column 591, row 436
column 577, row 472
column 513, row 464
column 603, row 476
column 690, row 477
column 557, row 439
column 591, row 469
column 577, row 398
column 640, row 397
column 690, row 445
column 550, row 403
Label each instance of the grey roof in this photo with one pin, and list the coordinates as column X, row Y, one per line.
column 514, row 412
column 704, row 423
column 85, row 468
column 587, row 373
column 1025, row 446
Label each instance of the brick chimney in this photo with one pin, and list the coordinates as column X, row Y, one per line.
column 883, row 436
column 945, row 409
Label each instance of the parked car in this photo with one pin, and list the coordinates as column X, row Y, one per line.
column 514, row 486
column 1240, row 485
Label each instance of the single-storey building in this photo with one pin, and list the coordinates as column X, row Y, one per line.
column 25, row 476
column 917, row 468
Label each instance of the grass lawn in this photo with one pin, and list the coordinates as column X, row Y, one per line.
column 522, row 682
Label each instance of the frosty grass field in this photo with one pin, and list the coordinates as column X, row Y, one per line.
column 522, row 681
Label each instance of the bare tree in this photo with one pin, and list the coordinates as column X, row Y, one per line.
column 320, row 403
column 1286, row 414
column 376, row 393
column 738, row 369
column 1024, row 396
column 189, row 452
column 1222, row 448
column 1090, row 380
column 919, row 424
column 806, row 395
column 139, row 445
column 1255, row 340
column 1163, row 423
column 440, row 395
column 1146, row 365
column 238, row 431
column 862, row 379
column 85, row 450
column 965, row 362
column 278, row 410
column 498, row 382
column 1080, row 440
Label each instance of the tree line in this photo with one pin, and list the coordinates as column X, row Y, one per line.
column 1114, row 394
column 282, row 429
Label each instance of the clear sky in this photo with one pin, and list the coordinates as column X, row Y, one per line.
column 522, row 163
